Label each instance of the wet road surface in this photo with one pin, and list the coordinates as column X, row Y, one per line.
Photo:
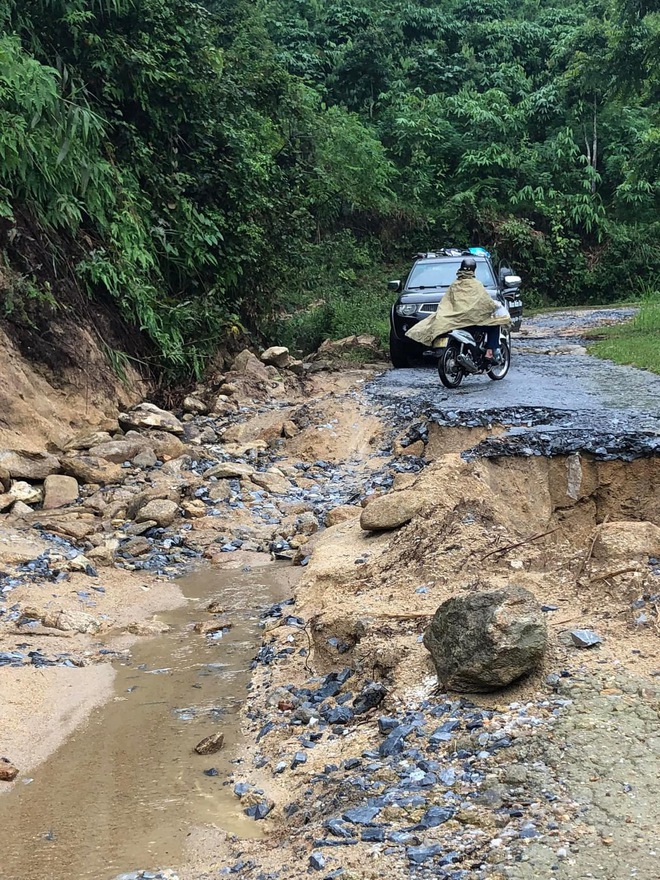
column 558, row 398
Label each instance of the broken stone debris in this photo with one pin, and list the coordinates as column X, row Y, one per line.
column 585, row 638
column 210, row 744
column 7, row 770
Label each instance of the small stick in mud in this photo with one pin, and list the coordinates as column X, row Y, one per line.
column 508, row 547
column 586, row 559
column 611, row 574
column 407, row 615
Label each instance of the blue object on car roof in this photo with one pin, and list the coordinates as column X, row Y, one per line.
column 479, row 252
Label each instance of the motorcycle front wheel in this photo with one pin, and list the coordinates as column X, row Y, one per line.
column 450, row 371
column 500, row 371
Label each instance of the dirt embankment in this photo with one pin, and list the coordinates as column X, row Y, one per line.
column 94, row 524
column 41, row 408
column 356, row 765
column 484, row 791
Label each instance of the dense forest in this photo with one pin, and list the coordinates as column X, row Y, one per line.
column 264, row 165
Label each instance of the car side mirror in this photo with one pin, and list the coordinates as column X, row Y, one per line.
column 394, row 285
column 512, row 280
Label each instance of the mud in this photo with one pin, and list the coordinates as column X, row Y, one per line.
column 123, row 791
column 516, row 481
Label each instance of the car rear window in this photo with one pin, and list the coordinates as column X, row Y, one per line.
column 441, row 274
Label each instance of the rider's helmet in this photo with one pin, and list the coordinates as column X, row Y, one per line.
column 469, row 265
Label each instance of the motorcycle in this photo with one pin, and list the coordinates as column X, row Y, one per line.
column 463, row 353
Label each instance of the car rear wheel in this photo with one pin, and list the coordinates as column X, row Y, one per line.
column 398, row 353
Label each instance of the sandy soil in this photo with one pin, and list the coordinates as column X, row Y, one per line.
column 41, row 707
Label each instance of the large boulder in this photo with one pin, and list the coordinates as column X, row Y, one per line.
column 90, row 469
column 161, row 511
column 341, row 514
column 194, row 405
column 17, row 546
column 29, row 465
column 59, row 491
column 147, row 415
column 165, row 445
column 86, row 441
column 248, row 365
column 276, row 483
column 625, row 540
column 228, row 470
column 65, row 620
column 391, row 511
column 119, row 451
column 483, row 641
column 276, row 356
column 353, row 347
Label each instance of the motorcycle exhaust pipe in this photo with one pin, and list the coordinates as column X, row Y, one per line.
column 467, row 363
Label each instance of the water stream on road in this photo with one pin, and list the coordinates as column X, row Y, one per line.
column 123, row 792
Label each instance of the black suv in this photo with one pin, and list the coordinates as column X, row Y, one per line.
column 427, row 283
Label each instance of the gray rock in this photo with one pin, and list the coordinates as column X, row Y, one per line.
column 585, row 638
column 160, row 510
column 372, row 695
column 433, row 817
column 29, row 465
column 419, row 854
column 316, row 861
column 59, row 491
column 483, row 641
column 146, row 415
column 395, row 741
column 361, row 815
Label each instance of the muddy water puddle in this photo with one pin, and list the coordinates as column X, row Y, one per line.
column 124, row 791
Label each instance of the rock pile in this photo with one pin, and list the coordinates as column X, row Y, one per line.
column 430, row 785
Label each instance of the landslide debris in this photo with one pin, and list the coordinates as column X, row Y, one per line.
column 485, row 640
column 356, row 761
column 425, row 782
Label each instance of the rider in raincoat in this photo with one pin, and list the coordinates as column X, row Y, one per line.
column 467, row 303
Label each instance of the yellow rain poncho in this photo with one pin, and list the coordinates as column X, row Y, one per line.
column 467, row 303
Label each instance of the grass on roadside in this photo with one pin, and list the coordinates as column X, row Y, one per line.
column 635, row 343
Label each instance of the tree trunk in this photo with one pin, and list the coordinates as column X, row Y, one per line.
column 594, row 150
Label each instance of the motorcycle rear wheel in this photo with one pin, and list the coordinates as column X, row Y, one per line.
column 499, row 372
column 450, row 371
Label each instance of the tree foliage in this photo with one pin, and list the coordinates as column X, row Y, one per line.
column 225, row 163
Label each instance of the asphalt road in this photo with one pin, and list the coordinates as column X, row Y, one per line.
column 556, row 397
